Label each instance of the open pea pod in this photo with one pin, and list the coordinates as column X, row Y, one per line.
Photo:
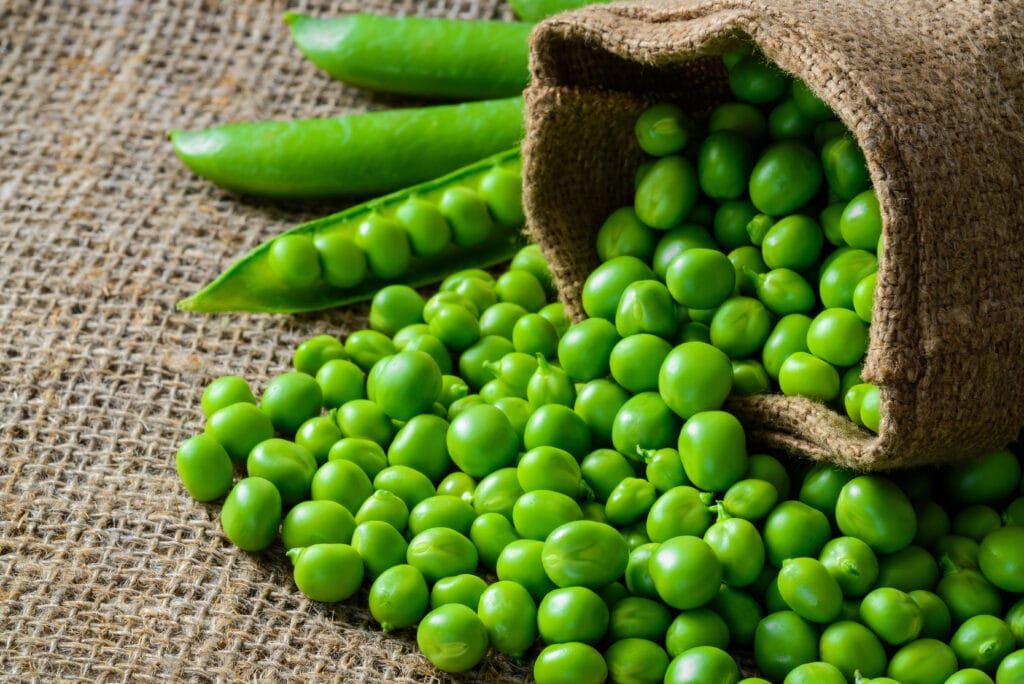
column 472, row 217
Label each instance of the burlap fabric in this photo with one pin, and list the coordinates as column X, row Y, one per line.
column 934, row 93
column 108, row 571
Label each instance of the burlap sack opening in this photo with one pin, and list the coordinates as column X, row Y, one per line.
column 931, row 93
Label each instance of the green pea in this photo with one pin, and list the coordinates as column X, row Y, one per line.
column 676, row 241
column 758, row 228
column 636, row 661
column 749, row 377
column 481, row 440
column 521, row 561
column 864, row 297
column 786, row 121
column 342, row 261
column 394, row 307
column 747, row 263
column 924, row 660
column 793, row 242
column 421, row 444
column 851, row 563
column 534, row 334
column 366, row 454
column 630, row 501
column 457, row 483
column 634, row 617
column 537, row 513
column 584, row 553
column 500, row 319
column 662, row 129
column 739, row 117
column 467, row 214
column 803, row 374
column 784, row 291
column 294, row 261
column 497, row 493
column 550, row 468
column 712, row 446
column 442, row 510
column 785, row 177
column 680, row 511
column 597, row 403
column 367, row 347
column 522, row 288
column 787, row 337
column 452, row 637
column 1001, row 559
column 694, row 377
column 844, row 166
column 739, row 548
column 701, row 278
column 624, row 234
column 502, row 191
column 815, row 673
column 225, row 391
column 604, row 286
column 490, row 534
column 861, row 221
column 784, row 641
column 510, row 616
column 341, row 481
column 474, row 360
column 550, row 384
column 754, row 79
column 327, row 572
column 740, row 327
column 585, row 349
column 686, row 572
column 340, row 381
column 645, row 421
column 409, row 484
column 840, row 277
column 427, row 230
column 741, row 613
column 405, row 384
column 730, row 223
column 290, row 399
column 518, row 412
column 874, row 509
column 664, row 469
column 570, row 663
column 851, row 648
column 455, row 325
column 441, row 552
column 724, row 164
column 365, row 419
column 981, row 642
column 572, row 614
column 380, row 545
column 317, row 522
column 386, row 246
column 317, row 435
column 384, row 506
column 810, row 590
column 312, row 354
column 908, row 569
column 289, row 466
column 557, row 316
column 667, row 192
column 531, row 258
column 696, row 627
column 251, row 514
column 398, row 597
column 828, row 219
column 794, row 529
column 635, row 361
column 603, row 469
column 992, row 479
column 750, row 499
column 204, row 468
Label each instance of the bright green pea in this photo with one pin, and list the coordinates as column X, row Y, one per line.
column 740, row 327
column 531, row 258
column 457, row 483
column 442, row 510
column 455, row 325
column 597, row 403
column 603, row 469
column 365, row 453
column 481, row 440
column 439, row 300
column 635, row 361
column 923, row 661
column 786, row 121
column 840, row 277
column 497, row 493
column 845, row 169
column 251, row 514
column 384, row 506
column 318, row 435
column 570, row 663
column 428, row 343
column 810, row 590
column 405, row 384
column 515, row 369
column 739, row 548
column 754, row 79
column 750, row 499
column 686, row 572
column 534, row 334
column 793, row 242
column 367, row 347
column 852, row 564
column 294, row 261
column 550, row 468
column 696, row 627
column 712, row 446
column 428, row 231
column 409, row 484
column 225, row 391
column 636, row 661
column 487, row 350
column 749, row 377
column 572, row 614
column 645, row 421
column 341, row 481
column 398, row 597
column 630, row 501
column 312, row 354
column 365, row 419
column 327, row 572
column 695, row 377
column 342, row 261
column 510, row 616
column 646, row 307
column 747, row 263
column 604, row 286
column 585, row 349
column 701, row 278
column 784, row 641
column 861, row 222
column 815, row 673
column 289, row 466
column 794, row 529
column 490, row 534
column 340, row 381
column 466, row 213
column 557, row 316
column 676, row 241
column 874, row 509
column 521, row 561
column 829, row 221
column 785, row 177
column 803, row 374
column 291, row 399
column 502, row 191
column 584, row 553
column 500, row 319
column 420, row 444
column 634, row 617
column 623, row 234
column 386, row 246
column 667, row 192
column 739, row 117
column 537, row 513
column 662, row 129
column 521, row 287
column 758, row 228
column 851, row 647
column 864, row 297
column 380, row 545
column 452, row 637
column 441, row 552
column 204, row 468
column 550, row 384
column 394, row 307
column 784, row 291
column 788, row 337
column 317, row 522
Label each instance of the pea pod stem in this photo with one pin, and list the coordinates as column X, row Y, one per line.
column 254, row 283
column 427, row 57
column 350, row 156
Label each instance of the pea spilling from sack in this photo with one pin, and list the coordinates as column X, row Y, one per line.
column 500, row 478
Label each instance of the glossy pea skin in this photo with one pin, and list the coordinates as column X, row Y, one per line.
column 398, row 597
column 522, row 561
column 502, row 192
column 695, row 377
column 922, row 662
column 700, row 278
column 667, row 192
column 481, row 440
column 794, row 529
column 821, row 486
column 783, row 641
column 251, row 514
column 793, row 242
column 549, row 384
column 465, row 589
column 787, row 337
column 874, row 509
column 680, row 511
column 584, row 553
column 441, row 510
column 646, row 306
column 557, row 316
column 635, row 361
column 838, row 336
column 533, row 334
column 386, row 246
column 630, row 501
column 991, row 480
column 1001, row 558
column 225, row 391
column 386, row 507
column 750, row 499
column 342, row 262
column 702, row 665
column 572, row 614
column 1011, row 669
column 467, row 214
column 289, row 466
column 739, row 548
column 754, row 79
column 861, row 221
column 238, row 428
column 603, row 469
column 452, row 637
column 724, row 164
column 459, row 484
column 785, row 177
column 570, row 663
column 441, row 552
column 803, row 374
column 696, row 627
column 891, row 614
column 500, row 319
column 509, row 615
column 427, row 229
column 664, row 469
column 839, row 278
column 550, row 468
column 473, row 361
column 851, row 647
column 395, row 306
column 380, row 545
column 634, row 617
column 686, row 572
column 597, row 403
column 515, row 369
column 845, row 169
column 317, row 435
column 712, row 446
column 204, row 467
column 674, row 242
column 312, row 354
column 815, row 673
column 366, row 347
column 490, row 534
column 784, row 291
column 982, row 642
column 585, row 349
column 497, row 493
column 662, row 129
column 340, row 381
column 786, row 121
column 851, row 563
column 636, row 661
column 537, row 513
column 624, row 234
column 317, row 522
column 366, row 454
column 327, row 572
column 809, row 590
column 521, row 287
column 644, row 422
column 455, row 325
column 740, row 327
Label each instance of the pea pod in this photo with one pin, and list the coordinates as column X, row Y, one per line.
column 418, row 55
column 348, row 256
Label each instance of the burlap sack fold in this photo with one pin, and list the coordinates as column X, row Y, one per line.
column 933, row 91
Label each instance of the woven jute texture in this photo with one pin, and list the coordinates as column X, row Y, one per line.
column 933, row 91
column 108, row 570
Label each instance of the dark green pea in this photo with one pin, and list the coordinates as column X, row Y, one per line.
column 367, row 347
column 792, row 530
column 740, row 326
column 724, row 165
column 840, row 277
column 365, row 419
column 828, row 219
column 750, row 499
column 739, row 117
column 534, row 334
column 500, row 319
column 662, row 129
column 785, row 177
column 294, row 261
column 749, row 377
column 696, row 627
column 850, row 378
column 452, row 637
column 990, row 480
column 851, row 563
column 594, row 510
column 342, row 261
column 251, row 514
column 585, row 349
column 386, row 246
column 456, row 326
column 287, row 465
column 340, row 381
column 635, row 535
column 675, row 242
column 666, row 193
column 758, row 228
column 384, row 506
column 467, row 214
column 497, row 493
column 380, row 545
column 784, row 641
column 874, row 509
column 522, row 288
column 810, row 105
column 537, row 513
column 636, row 360
column 623, row 234
column 584, row 553
column 754, row 79
column 520, row 561
column 962, row 551
column 490, row 534
column 318, row 435
column 681, row 511
column 317, row 522
column 502, row 192
column 409, row 484
column 645, row 421
column 932, row 522
column 784, row 291
column 597, row 403
column 510, row 616
column 741, row 613
column 787, row 121
column 427, row 230
column 826, row 130
column 341, row 481
column 769, row 469
column 747, row 263
column 967, row 592
column 730, row 224
column 228, row 390
column 844, row 166
column 531, row 258
column 976, row 521
column 909, row 569
column 365, row 453
column 204, row 468
column 394, row 307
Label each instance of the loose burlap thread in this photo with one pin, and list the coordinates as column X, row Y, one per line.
column 108, row 570
column 933, row 92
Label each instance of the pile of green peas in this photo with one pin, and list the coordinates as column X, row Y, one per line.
column 501, row 478
column 755, row 232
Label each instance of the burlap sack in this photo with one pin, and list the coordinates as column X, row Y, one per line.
column 933, row 91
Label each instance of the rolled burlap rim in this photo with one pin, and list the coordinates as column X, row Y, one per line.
column 930, row 90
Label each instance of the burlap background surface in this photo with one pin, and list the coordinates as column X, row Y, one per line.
column 108, row 571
